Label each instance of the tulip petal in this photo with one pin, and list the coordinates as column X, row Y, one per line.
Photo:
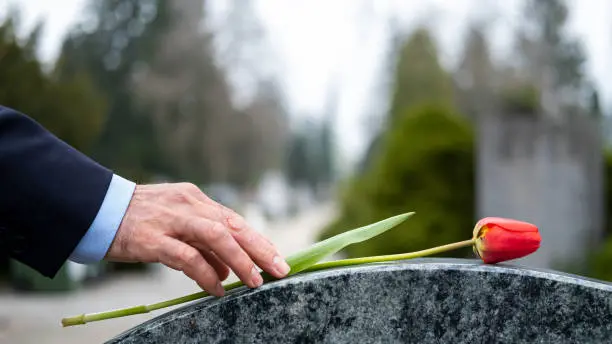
column 500, row 239
column 508, row 224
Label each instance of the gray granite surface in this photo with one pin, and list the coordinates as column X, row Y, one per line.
column 416, row 301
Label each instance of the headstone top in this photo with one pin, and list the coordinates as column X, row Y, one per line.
column 424, row 301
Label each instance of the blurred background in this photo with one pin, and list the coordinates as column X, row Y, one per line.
column 313, row 118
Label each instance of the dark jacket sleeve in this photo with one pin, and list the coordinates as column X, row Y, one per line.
column 49, row 193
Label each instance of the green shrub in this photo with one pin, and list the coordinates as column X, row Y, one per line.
column 524, row 99
column 599, row 263
column 426, row 165
column 608, row 192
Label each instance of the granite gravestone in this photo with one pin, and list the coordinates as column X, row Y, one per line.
column 417, row 301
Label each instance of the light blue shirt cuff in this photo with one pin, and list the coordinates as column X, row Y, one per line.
column 100, row 235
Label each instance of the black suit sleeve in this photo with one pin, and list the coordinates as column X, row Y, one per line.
column 49, row 193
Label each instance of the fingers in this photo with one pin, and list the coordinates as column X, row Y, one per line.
column 217, row 237
column 231, row 239
column 183, row 257
column 254, row 244
column 257, row 246
column 220, row 267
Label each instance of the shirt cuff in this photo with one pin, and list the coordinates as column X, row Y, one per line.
column 93, row 246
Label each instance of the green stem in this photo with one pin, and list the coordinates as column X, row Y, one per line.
column 191, row 297
column 86, row 318
column 391, row 257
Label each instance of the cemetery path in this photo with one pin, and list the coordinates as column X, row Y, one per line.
column 35, row 318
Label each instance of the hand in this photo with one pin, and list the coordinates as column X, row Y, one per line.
column 180, row 227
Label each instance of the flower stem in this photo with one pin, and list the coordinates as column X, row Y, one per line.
column 142, row 309
column 391, row 257
column 86, row 318
column 191, row 297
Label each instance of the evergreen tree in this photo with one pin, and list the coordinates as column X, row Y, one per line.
column 423, row 162
column 418, row 79
column 115, row 41
column 476, row 75
column 551, row 59
column 417, row 73
column 71, row 108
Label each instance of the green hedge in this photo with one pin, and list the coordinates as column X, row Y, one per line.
column 600, row 261
column 426, row 165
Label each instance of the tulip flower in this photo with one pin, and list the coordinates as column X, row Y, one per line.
column 494, row 240
column 498, row 239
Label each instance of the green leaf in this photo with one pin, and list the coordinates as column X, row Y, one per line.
column 308, row 257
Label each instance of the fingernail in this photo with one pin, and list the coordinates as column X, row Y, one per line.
column 281, row 266
column 256, row 277
column 219, row 289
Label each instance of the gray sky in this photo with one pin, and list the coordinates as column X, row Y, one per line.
column 320, row 41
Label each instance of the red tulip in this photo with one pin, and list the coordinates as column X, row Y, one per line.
column 499, row 239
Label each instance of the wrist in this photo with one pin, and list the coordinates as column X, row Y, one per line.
column 96, row 242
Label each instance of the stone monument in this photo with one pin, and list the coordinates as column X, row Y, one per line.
column 548, row 171
column 415, row 301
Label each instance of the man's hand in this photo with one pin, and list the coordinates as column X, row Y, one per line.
column 180, row 227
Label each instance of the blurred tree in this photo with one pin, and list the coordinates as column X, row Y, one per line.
column 423, row 162
column 318, row 155
column 426, row 166
column 476, row 74
column 297, row 159
column 417, row 73
column 594, row 104
column 270, row 129
column 418, row 78
column 484, row 87
column 608, row 191
column 115, row 41
column 519, row 98
column 600, row 260
column 244, row 49
column 188, row 96
column 244, row 52
column 71, row 108
column 309, row 155
column 188, row 92
column 551, row 59
column 327, row 140
column 258, row 138
column 326, row 163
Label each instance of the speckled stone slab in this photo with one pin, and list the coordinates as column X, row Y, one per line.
column 416, row 301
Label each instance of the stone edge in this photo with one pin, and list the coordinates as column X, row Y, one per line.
column 412, row 264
